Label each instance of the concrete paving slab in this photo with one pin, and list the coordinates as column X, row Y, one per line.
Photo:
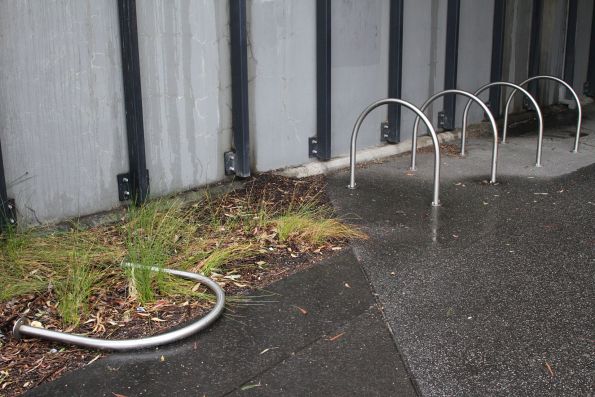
column 360, row 361
column 252, row 340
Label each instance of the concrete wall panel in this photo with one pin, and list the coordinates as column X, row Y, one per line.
column 61, row 109
column 424, row 40
column 475, row 54
column 184, row 52
column 282, row 75
column 359, row 73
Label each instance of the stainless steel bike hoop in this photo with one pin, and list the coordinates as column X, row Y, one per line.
column 358, row 123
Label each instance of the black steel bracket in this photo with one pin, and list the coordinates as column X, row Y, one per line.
column 238, row 38
column 9, row 214
column 534, row 50
column 138, row 178
column 125, row 186
column 229, row 162
column 313, row 147
column 451, row 62
column 391, row 130
column 385, row 132
column 323, row 81
column 442, row 120
column 589, row 87
column 498, row 37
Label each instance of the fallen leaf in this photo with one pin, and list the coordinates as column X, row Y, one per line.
column 252, row 386
column 334, row 338
column 549, row 368
column 303, row 311
column 94, row 359
column 118, row 395
column 267, row 349
column 162, row 359
column 347, row 285
column 36, row 324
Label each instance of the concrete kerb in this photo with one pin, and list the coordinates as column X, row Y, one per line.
column 365, row 155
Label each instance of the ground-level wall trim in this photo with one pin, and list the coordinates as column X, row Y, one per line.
column 364, row 156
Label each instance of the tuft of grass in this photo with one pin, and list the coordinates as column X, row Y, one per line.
column 221, row 256
column 30, row 260
column 310, row 225
column 153, row 231
column 74, row 290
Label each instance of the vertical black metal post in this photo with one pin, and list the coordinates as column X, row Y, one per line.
column 447, row 116
column 7, row 212
column 320, row 146
column 569, row 53
column 238, row 162
column 535, row 46
column 391, row 131
column 497, row 54
column 138, row 176
column 589, row 89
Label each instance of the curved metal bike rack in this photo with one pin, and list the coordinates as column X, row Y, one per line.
column 486, row 110
column 578, row 107
column 358, row 123
column 20, row 329
column 516, row 87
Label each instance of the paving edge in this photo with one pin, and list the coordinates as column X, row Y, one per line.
column 364, row 156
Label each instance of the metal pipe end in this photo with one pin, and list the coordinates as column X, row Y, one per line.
column 351, row 187
column 493, row 182
column 538, row 165
column 16, row 328
column 503, row 142
column 574, row 151
column 412, row 168
column 462, row 154
column 436, row 204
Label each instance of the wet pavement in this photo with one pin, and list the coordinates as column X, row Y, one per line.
column 489, row 294
column 492, row 293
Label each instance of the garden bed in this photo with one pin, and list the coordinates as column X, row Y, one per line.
column 72, row 281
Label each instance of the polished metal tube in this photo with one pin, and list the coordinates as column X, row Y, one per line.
column 20, row 329
column 485, row 109
column 578, row 108
column 515, row 87
column 358, row 123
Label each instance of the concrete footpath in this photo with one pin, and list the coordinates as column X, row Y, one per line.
column 489, row 294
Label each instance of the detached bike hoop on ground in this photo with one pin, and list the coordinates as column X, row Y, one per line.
column 21, row 329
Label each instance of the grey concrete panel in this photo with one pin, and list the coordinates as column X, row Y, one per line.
column 516, row 45
column 359, row 72
column 424, row 35
column 475, row 54
column 61, row 110
column 282, row 75
column 553, row 36
column 186, row 128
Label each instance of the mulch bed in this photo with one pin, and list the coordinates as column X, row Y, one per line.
column 112, row 314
